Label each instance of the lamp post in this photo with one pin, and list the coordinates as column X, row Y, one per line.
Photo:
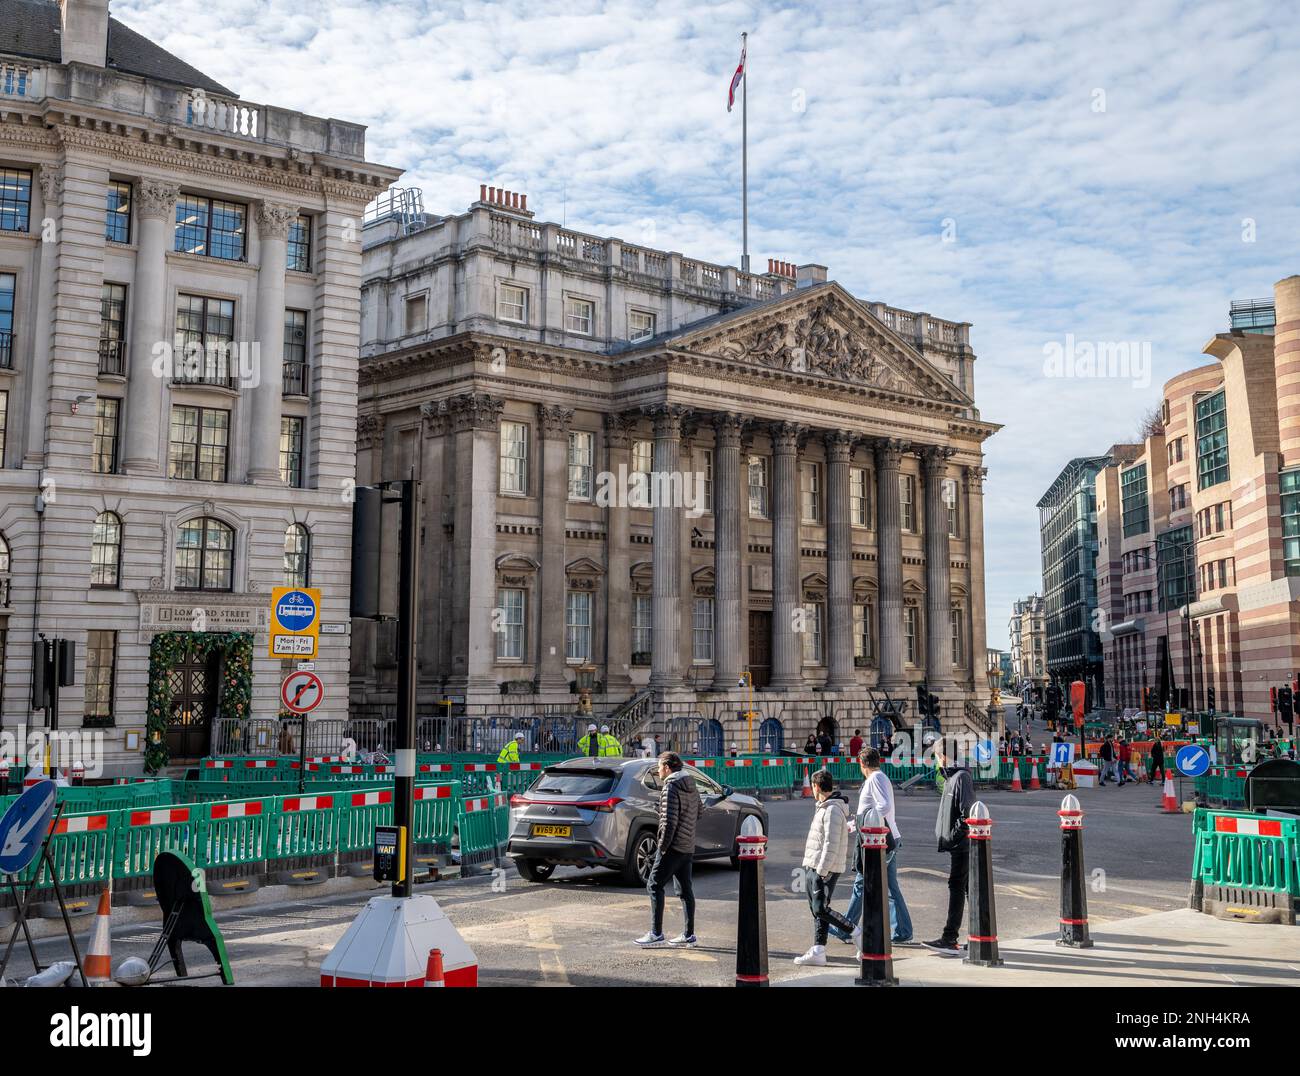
column 586, row 681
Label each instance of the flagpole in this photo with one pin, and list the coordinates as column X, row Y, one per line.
column 744, row 157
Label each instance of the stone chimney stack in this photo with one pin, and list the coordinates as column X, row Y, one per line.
column 808, row 275
column 84, row 31
column 1286, row 366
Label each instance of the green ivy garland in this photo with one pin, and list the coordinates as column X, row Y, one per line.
column 168, row 649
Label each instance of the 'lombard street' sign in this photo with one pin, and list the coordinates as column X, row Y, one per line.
column 203, row 612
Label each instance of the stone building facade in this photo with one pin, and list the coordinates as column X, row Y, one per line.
column 824, row 529
column 1027, row 629
column 179, row 280
column 1205, row 590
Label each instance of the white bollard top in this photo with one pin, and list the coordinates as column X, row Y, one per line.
column 1070, row 803
column 751, row 827
column 978, row 811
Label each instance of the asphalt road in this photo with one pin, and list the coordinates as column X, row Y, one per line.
column 578, row 928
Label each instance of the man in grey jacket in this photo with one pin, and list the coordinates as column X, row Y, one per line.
column 679, row 812
column 951, row 832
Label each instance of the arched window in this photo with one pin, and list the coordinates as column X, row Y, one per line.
column 297, row 556
column 205, row 555
column 4, row 572
column 106, row 551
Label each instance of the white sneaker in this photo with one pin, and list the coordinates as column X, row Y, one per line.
column 857, row 940
column 684, row 941
column 650, row 938
column 814, row 958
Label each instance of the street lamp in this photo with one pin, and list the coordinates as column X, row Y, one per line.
column 586, row 681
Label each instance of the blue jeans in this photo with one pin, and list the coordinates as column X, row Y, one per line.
column 900, row 920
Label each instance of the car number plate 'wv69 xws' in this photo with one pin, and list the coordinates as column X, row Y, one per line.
column 552, row 831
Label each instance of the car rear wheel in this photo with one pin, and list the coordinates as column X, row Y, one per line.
column 535, row 870
column 640, row 858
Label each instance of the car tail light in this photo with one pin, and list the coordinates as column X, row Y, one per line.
column 600, row 805
column 519, row 801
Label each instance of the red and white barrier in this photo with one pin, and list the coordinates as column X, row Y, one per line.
column 308, row 803
column 1251, row 827
column 86, row 823
column 433, row 792
column 388, row 945
column 250, row 809
column 371, row 799
column 160, row 817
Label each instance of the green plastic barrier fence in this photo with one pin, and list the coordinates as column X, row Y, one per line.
column 477, row 826
column 436, row 808
column 1237, row 850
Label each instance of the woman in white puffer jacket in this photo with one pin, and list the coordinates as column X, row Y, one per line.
column 827, row 854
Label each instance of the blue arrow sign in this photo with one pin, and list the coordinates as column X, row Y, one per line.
column 1063, row 753
column 1192, row 760
column 984, row 751
column 24, row 826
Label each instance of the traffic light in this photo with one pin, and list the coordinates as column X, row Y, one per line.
column 367, row 531
column 1209, row 698
column 1284, row 702
column 934, row 707
column 1272, row 699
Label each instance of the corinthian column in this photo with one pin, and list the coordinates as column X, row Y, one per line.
column 666, row 613
column 889, row 458
column 787, row 644
column 51, row 180
column 155, row 208
column 839, row 561
column 728, row 660
column 938, row 638
column 975, row 543
column 618, row 553
column 273, row 231
column 554, row 423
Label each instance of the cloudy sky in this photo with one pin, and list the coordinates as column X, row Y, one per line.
column 1114, row 171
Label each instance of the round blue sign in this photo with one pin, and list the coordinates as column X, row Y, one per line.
column 1192, row 760
column 983, row 751
column 24, row 826
column 295, row 611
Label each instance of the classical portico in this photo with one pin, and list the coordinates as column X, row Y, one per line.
column 838, row 548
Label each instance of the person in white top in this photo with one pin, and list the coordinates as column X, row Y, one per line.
column 878, row 792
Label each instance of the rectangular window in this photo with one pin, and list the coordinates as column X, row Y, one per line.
column 510, row 639
column 1136, row 509
column 1211, row 440
column 8, row 284
column 117, row 213
column 758, row 486
column 577, row 626
column 199, row 442
column 640, row 325
column 204, row 341
column 295, row 353
column 909, row 634
column 907, row 501
column 417, row 314
column 1176, row 568
column 101, row 665
column 112, row 330
column 810, row 485
column 859, row 497
column 582, row 462
column 291, row 432
column 862, row 632
column 512, row 304
column 579, row 316
column 210, row 227
column 642, row 629
column 298, row 250
column 948, row 491
column 956, row 638
column 708, row 480
column 514, row 457
column 4, row 424
column 1289, row 487
column 702, row 632
column 642, row 464
column 812, row 633
column 15, row 200
column 103, row 459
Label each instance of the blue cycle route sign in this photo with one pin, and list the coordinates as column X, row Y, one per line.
column 24, row 826
column 295, row 611
column 1192, row 760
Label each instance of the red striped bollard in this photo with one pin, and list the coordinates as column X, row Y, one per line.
column 982, row 930
column 751, row 916
column 4, row 777
column 877, row 948
column 1074, row 897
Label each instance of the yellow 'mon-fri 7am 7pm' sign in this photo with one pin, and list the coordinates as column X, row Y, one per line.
column 295, row 622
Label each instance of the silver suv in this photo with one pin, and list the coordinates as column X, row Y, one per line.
column 603, row 812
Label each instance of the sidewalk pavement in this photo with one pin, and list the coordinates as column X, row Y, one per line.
column 1170, row 949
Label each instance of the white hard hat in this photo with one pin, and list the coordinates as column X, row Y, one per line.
column 519, row 735
column 604, row 728
column 591, row 728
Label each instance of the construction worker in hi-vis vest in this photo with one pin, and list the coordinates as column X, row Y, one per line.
column 609, row 745
column 510, row 753
column 590, row 744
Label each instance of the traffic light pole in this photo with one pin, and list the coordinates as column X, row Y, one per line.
column 404, row 789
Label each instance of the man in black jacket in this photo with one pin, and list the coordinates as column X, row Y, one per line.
column 679, row 812
column 950, row 830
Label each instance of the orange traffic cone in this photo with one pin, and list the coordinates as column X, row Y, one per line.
column 1169, row 805
column 1034, row 785
column 807, row 785
column 98, row 962
column 1016, row 786
column 433, row 972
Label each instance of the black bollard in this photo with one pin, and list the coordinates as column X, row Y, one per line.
column 1074, row 897
column 751, row 916
column 982, row 930
column 877, row 947
column 4, row 778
